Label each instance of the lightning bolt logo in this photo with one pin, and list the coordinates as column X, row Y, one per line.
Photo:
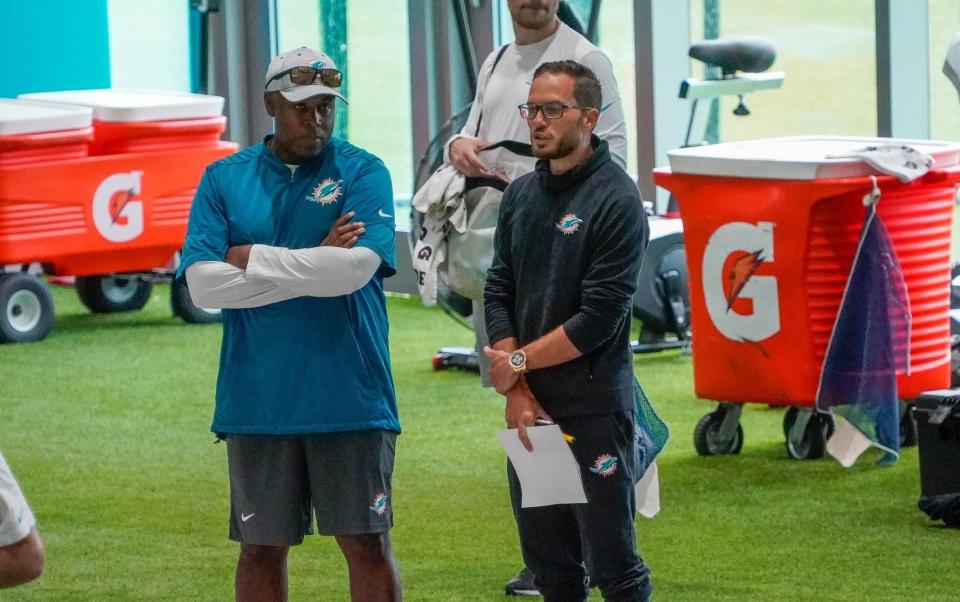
column 740, row 273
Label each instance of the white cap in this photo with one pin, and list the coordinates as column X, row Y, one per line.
column 301, row 57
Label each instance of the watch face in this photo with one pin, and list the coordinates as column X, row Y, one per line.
column 518, row 359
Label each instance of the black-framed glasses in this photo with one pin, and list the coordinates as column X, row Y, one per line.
column 550, row 110
column 304, row 76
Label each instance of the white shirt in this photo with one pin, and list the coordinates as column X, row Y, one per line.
column 16, row 520
column 500, row 92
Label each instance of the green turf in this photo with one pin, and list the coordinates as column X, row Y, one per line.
column 106, row 425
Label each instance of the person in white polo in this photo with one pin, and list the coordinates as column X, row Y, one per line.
column 21, row 551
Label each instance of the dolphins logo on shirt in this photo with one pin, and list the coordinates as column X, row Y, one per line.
column 569, row 223
column 604, row 465
column 379, row 505
column 326, row 192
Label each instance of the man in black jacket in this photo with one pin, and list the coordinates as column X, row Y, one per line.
column 567, row 254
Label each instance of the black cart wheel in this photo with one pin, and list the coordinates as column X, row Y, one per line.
column 110, row 294
column 26, row 309
column 812, row 444
column 182, row 305
column 708, row 439
column 791, row 416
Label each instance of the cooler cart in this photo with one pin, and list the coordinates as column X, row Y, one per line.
column 105, row 200
column 771, row 228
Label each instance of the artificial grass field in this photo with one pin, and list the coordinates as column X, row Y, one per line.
column 105, row 424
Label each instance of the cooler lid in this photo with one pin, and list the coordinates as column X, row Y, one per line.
column 797, row 157
column 136, row 105
column 18, row 117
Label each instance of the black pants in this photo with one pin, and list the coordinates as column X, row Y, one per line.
column 565, row 543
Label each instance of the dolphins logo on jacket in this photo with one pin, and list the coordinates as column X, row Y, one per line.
column 569, row 223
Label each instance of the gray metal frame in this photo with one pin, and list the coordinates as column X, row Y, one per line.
column 903, row 74
column 243, row 39
column 662, row 38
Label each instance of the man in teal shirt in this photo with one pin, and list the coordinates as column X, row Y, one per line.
column 292, row 237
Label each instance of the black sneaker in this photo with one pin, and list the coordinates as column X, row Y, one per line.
column 522, row 584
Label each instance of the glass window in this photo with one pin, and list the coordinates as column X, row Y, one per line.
column 944, row 103
column 379, row 55
column 827, row 51
column 149, row 45
column 377, row 75
column 615, row 37
column 298, row 22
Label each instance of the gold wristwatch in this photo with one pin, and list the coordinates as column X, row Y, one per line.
column 518, row 361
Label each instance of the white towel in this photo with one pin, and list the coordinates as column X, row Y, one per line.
column 900, row 160
column 440, row 200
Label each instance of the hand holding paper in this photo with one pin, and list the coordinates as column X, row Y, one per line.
column 548, row 474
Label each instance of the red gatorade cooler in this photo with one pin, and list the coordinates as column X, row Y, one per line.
column 125, row 207
column 32, row 132
column 771, row 228
column 98, row 184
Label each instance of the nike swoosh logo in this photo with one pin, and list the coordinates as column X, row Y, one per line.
column 20, row 516
column 246, row 517
column 382, row 214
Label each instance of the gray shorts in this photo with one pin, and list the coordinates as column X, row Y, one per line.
column 275, row 481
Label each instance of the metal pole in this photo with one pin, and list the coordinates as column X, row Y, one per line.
column 661, row 42
column 711, row 31
column 903, row 76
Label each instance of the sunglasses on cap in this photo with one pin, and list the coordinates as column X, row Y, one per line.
column 304, row 76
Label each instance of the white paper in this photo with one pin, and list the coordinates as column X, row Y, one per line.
column 648, row 492
column 847, row 444
column 549, row 474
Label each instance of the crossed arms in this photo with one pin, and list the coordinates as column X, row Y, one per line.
column 257, row 275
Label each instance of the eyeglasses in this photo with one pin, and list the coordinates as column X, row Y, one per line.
column 550, row 110
column 304, row 76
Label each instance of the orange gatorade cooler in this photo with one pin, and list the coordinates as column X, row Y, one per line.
column 771, row 229
column 106, row 200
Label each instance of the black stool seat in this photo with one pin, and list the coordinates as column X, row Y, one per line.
column 732, row 54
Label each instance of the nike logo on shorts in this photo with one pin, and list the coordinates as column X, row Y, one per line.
column 246, row 517
column 382, row 214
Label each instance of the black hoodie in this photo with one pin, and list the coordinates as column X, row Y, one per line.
column 567, row 251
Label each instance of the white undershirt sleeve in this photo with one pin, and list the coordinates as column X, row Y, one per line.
column 317, row 271
column 219, row 285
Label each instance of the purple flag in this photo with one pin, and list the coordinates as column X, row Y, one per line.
column 870, row 342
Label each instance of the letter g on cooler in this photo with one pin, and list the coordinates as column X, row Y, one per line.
column 725, row 283
column 117, row 215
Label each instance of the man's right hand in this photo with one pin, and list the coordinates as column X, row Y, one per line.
column 344, row 233
column 523, row 410
column 463, row 155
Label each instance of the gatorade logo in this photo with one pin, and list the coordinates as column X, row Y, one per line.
column 744, row 306
column 116, row 214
